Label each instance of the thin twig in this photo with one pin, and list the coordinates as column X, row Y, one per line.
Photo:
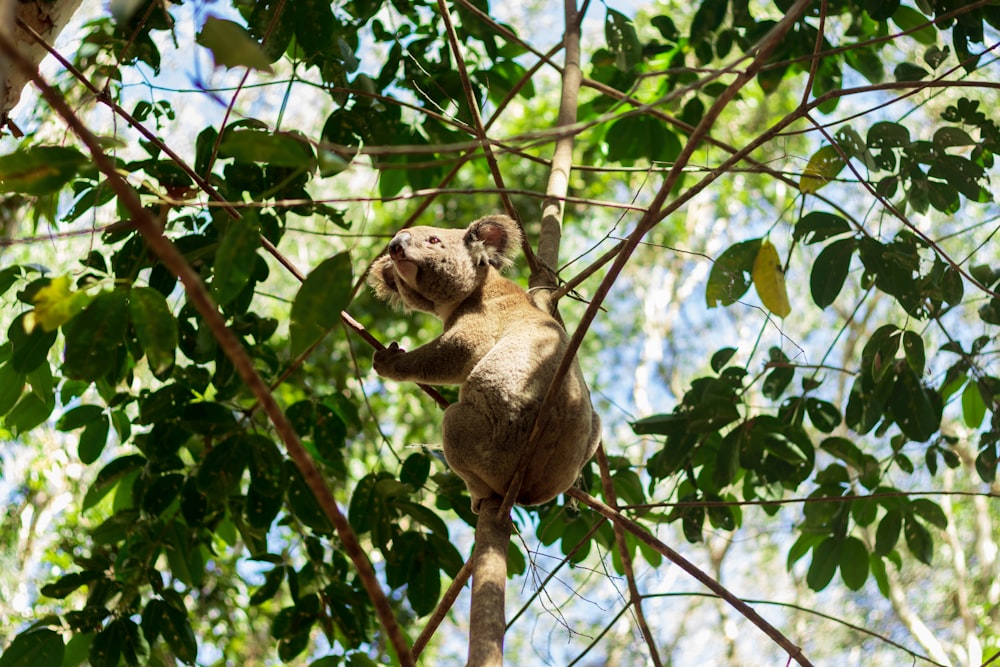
column 633, row 588
column 443, row 606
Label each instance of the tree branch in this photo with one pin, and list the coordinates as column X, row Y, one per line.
column 562, row 163
column 441, row 611
column 489, row 584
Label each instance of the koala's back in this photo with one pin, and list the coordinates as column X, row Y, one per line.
column 507, row 386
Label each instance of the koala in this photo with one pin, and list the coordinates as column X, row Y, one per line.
column 499, row 347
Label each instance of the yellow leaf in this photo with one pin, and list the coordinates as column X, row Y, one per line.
column 823, row 166
column 56, row 304
column 769, row 280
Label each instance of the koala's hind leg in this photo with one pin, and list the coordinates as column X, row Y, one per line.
column 468, row 441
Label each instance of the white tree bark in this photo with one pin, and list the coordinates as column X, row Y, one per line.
column 45, row 18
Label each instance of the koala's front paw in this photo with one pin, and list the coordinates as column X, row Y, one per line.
column 384, row 361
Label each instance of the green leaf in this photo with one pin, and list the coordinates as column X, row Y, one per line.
column 916, row 24
column 39, row 170
column 161, row 492
column 830, row 271
column 867, row 62
column 730, row 276
column 69, row 583
column 930, row 511
column 424, row 516
column 888, row 135
column 777, row 381
column 179, row 635
column 824, row 415
column 854, row 563
column 909, row 72
column 360, row 510
column 27, row 413
column 235, row 260
column 29, row 350
column 222, row 468
column 879, row 354
column 267, row 468
column 94, row 336
column 887, row 533
column 135, row 648
column 276, row 150
column 34, row 648
column 155, row 327
column 913, row 350
column 880, row 10
column 11, row 386
column 317, row 306
column 231, row 45
column 973, row 405
column 303, row 502
column 106, row 649
column 329, row 434
column 721, row 358
column 622, row 39
column 916, row 408
column 639, row 136
column 79, row 416
column 818, row 226
column 424, row 582
column 946, row 137
column 109, row 477
column 825, row 559
column 93, row 439
column 415, row 470
column 316, row 28
column 962, row 174
column 56, row 304
column 919, row 540
column 272, row 582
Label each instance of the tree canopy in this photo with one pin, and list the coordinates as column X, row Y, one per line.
column 776, row 228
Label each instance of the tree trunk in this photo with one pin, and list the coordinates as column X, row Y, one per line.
column 487, row 621
column 47, row 19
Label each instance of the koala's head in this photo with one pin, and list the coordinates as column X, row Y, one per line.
column 433, row 269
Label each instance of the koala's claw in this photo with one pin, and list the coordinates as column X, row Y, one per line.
column 382, row 359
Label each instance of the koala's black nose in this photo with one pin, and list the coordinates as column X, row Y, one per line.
column 399, row 244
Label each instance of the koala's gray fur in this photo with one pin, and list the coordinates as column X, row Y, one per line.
column 499, row 347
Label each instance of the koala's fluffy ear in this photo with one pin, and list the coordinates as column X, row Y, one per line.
column 382, row 279
column 493, row 239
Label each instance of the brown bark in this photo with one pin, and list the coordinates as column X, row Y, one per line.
column 487, row 621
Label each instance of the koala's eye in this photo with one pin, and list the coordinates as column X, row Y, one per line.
column 434, row 240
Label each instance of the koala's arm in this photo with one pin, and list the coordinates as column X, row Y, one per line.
column 445, row 360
